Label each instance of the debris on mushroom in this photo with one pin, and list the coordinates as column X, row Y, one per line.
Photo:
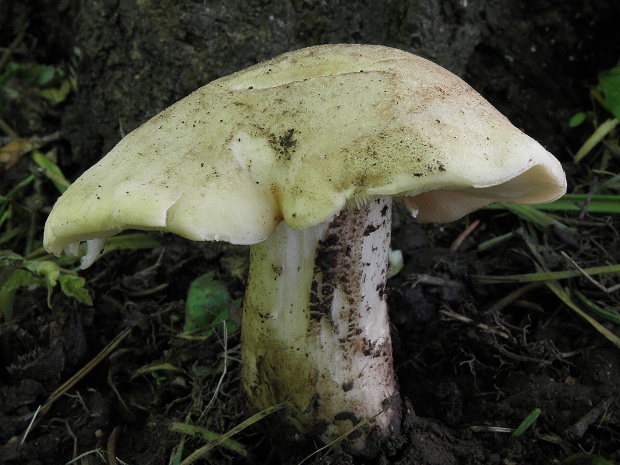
column 300, row 156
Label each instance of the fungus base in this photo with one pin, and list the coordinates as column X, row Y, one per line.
column 316, row 332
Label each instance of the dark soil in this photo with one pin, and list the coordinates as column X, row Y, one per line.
column 470, row 357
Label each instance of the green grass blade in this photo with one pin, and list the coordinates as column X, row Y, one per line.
column 565, row 297
column 51, row 170
column 534, row 215
column 489, row 244
column 204, row 450
column 598, row 135
column 608, row 204
column 208, row 435
column 599, row 311
column 547, row 275
column 526, row 423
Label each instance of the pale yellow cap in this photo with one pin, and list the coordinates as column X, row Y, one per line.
column 299, row 137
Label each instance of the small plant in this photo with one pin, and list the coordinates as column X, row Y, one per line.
column 20, row 227
column 23, row 263
column 17, row 271
column 19, row 217
column 607, row 95
column 50, row 82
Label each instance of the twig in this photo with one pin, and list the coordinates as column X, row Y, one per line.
column 36, row 140
column 577, row 430
column 607, row 290
column 8, row 130
column 4, row 59
column 30, row 425
column 512, row 297
column 62, row 389
column 6, row 56
column 469, row 321
column 86, row 454
column 224, row 372
column 521, row 358
column 464, row 235
column 111, row 449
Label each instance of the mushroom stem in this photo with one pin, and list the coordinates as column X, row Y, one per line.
column 316, row 332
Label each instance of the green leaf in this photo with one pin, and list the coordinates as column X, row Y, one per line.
column 47, row 270
column 58, row 94
column 51, row 170
column 12, row 277
column 72, row 285
column 16, row 279
column 6, row 200
column 9, row 71
column 9, row 283
column 207, row 305
column 37, row 75
column 577, row 119
column 609, row 85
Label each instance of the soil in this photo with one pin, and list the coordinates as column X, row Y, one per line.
column 471, row 357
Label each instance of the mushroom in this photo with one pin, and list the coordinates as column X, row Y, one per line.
column 300, row 157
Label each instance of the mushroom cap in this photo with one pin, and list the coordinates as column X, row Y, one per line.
column 297, row 138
